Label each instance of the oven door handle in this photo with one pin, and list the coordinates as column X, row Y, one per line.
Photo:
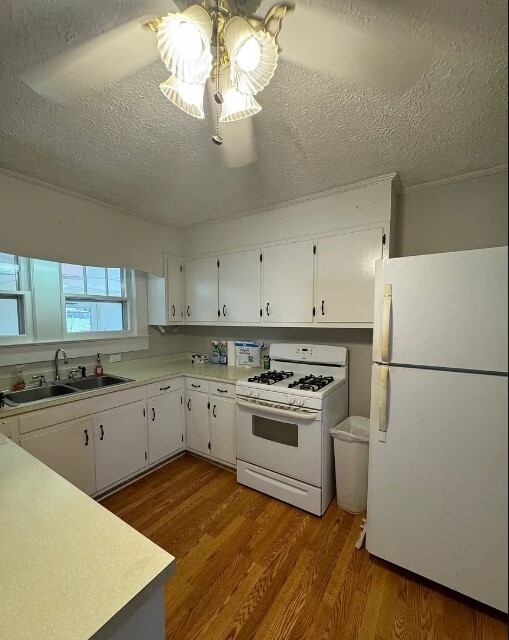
column 303, row 415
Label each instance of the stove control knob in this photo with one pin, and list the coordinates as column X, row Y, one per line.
column 300, row 402
column 291, row 400
column 249, row 392
column 255, row 393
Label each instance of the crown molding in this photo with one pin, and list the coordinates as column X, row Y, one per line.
column 80, row 196
column 390, row 177
column 451, row 180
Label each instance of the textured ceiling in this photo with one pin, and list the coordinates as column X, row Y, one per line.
column 128, row 146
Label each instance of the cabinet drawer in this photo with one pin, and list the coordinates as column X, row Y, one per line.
column 46, row 417
column 165, row 386
column 197, row 384
column 108, row 401
column 223, row 390
column 73, row 410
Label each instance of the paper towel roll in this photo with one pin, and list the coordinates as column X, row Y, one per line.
column 230, row 351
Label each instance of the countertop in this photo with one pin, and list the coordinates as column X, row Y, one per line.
column 142, row 371
column 69, row 568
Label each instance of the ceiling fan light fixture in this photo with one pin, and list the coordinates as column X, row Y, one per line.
column 183, row 40
column 253, row 55
column 236, row 105
column 188, row 96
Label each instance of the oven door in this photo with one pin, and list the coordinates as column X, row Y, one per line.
column 281, row 439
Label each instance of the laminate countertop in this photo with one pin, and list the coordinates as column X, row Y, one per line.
column 142, row 372
column 69, row 569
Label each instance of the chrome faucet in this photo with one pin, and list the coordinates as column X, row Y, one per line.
column 57, row 376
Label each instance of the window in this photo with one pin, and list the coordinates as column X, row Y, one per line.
column 13, row 300
column 96, row 299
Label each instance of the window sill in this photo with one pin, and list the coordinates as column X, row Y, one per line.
column 18, row 354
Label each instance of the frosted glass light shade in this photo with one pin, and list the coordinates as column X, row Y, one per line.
column 183, row 40
column 253, row 56
column 236, row 105
column 185, row 95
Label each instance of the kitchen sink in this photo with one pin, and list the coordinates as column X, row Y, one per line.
column 38, row 393
column 91, row 382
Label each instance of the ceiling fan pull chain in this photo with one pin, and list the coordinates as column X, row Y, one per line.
column 218, row 98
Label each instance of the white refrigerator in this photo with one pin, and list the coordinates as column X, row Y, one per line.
column 437, row 497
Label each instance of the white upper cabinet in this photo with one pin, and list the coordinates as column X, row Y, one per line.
column 345, row 276
column 201, row 287
column 288, row 283
column 165, row 299
column 239, row 287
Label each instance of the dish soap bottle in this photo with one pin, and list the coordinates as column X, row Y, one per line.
column 18, row 383
column 98, row 370
column 216, row 353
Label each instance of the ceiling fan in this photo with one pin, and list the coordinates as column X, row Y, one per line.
column 221, row 44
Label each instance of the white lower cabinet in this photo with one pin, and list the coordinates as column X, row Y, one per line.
column 120, row 440
column 68, row 449
column 223, row 444
column 165, row 426
column 197, row 422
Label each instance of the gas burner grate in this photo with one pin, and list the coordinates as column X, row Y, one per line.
column 271, row 377
column 311, row 383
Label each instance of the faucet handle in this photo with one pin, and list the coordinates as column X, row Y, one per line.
column 41, row 377
column 72, row 372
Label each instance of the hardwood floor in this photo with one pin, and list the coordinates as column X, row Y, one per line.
column 250, row 567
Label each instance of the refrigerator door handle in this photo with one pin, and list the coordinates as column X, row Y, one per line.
column 386, row 322
column 382, row 403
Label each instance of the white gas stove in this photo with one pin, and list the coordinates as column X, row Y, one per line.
column 283, row 421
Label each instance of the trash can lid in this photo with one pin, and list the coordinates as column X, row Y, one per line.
column 353, row 429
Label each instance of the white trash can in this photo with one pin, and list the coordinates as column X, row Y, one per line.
column 351, row 455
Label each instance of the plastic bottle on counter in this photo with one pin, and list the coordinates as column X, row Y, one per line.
column 223, row 349
column 216, row 353
column 98, row 370
column 18, row 381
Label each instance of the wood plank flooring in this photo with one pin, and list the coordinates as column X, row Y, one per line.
column 250, row 567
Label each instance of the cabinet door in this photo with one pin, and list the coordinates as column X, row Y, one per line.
column 201, row 290
column 197, row 422
column 165, row 426
column 223, row 445
column 345, row 282
column 68, row 449
column 174, row 289
column 239, row 286
column 288, row 282
column 120, row 438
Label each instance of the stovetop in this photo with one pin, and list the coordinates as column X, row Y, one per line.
column 301, row 383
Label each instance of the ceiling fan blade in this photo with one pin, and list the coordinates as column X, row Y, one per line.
column 90, row 66
column 375, row 54
column 239, row 146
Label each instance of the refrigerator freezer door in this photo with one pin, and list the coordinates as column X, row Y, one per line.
column 437, row 495
column 447, row 310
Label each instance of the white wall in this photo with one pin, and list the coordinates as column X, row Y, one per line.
column 39, row 221
column 341, row 209
column 456, row 216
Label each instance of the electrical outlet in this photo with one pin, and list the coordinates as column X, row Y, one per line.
column 115, row 357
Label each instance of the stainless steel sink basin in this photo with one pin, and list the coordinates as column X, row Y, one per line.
column 38, row 393
column 91, row 382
